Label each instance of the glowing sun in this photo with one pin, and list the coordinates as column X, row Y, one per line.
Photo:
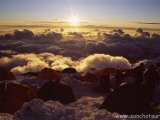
column 74, row 21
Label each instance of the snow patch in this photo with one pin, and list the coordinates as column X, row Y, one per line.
column 86, row 108
column 5, row 116
column 81, row 88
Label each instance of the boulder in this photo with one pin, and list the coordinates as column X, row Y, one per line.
column 6, row 75
column 69, row 70
column 48, row 74
column 13, row 95
column 127, row 99
column 56, row 91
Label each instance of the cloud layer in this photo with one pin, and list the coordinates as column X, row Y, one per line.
column 142, row 45
column 28, row 34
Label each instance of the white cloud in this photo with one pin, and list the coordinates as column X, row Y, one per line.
column 100, row 61
column 35, row 62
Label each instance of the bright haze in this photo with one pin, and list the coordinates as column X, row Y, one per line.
column 77, row 33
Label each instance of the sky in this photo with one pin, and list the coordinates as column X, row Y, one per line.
column 102, row 11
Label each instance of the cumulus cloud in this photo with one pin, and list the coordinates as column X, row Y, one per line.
column 96, row 47
column 75, row 35
column 50, row 36
column 100, row 61
column 119, row 31
column 119, row 34
column 4, row 53
column 22, row 63
column 28, row 34
column 130, row 51
column 142, row 34
column 17, row 34
column 134, row 48
column 155, row 36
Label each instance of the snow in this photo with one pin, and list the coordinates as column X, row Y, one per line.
column 85, row 108
column 81, row 88
column 5, row 116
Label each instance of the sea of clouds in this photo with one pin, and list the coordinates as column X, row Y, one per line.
column 23, row 51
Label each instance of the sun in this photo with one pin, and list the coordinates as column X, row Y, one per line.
column 74, row 21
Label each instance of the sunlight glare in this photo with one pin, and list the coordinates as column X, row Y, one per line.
column 74, row 21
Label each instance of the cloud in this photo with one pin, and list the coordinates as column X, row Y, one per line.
column 142, row 34
column 17, row 34
column 151, row 23
column 50, row 36
column 119, row 31
column 75, row 35
column 100, row 61
column 25, row 34
column 4, row 53
column 28, row 34
column 134, row 48
column 22, row 63
column 96, row 47
column 125, row 49
column 155, row 36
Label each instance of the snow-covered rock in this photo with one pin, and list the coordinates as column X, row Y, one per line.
column 86, row 108
column 5, row 116
column 82, row 88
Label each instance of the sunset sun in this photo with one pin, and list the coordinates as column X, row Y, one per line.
column 74, row 21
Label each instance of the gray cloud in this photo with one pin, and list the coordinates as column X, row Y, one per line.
column 151, row 23
column 28, row 34
column 142, row 45
column 75, row 35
